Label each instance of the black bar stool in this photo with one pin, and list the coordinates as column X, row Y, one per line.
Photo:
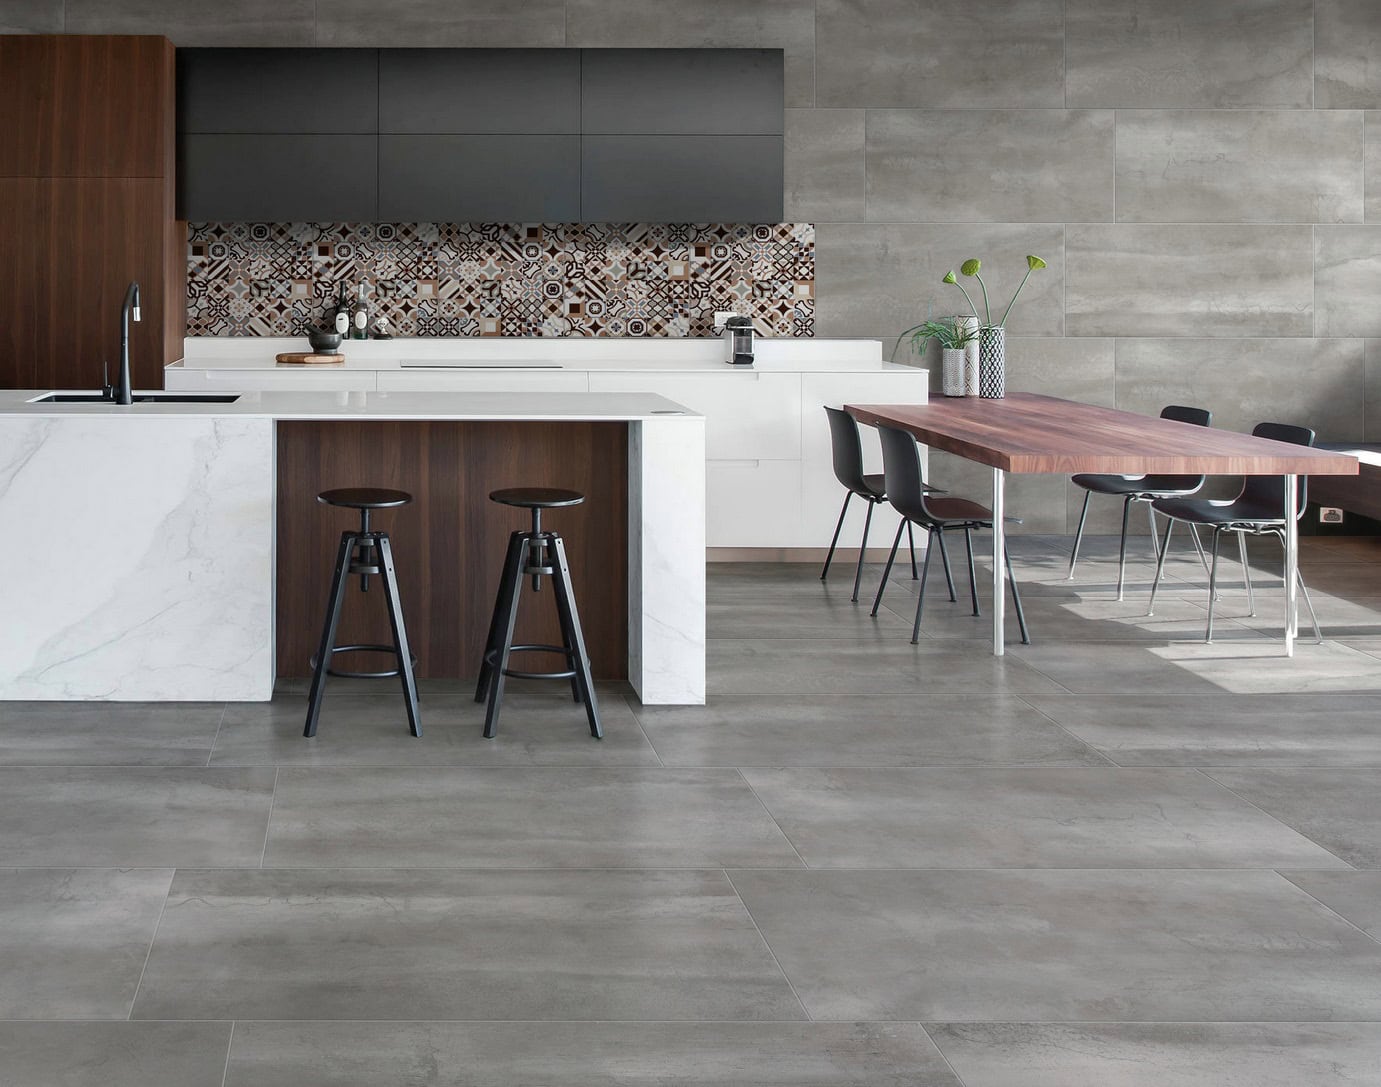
column 535, row 553
column 365, row 552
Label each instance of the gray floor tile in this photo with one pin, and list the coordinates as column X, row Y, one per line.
column 1024, row 818
column 134, row 816
column 802, row 616
column 574, row 1054
column 114, row 1054
column 1219, row 730
column 863, row 730
column 844, row 666
column 107, row 733
column 1062, row 945
column 536, row 729
column 73, row 941
column 1162, row 1054
column 521, row 818
column 1353, row 895
column 1338, row 808
column 403, row 944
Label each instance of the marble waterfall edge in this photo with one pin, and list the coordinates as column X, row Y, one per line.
column 181, row 605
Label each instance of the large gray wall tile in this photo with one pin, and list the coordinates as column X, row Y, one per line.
column 788, row 25
column 1315, row 383
column 1239, row 166
column 976, row 165
column 114, row 1054
column 199, row 22
column 1189, row 280
column 825, row 174
column 1347, row 280
column 479, row 23
column 1373, row 391
column 1161, row 53
column 941, row 53
column 74, row 940
column 877, row 280
column 31, row 16
column 1371, row 138
column 1347, row 41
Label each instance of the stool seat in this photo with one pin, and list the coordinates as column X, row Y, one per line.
column 537, row 498
column 364, row 498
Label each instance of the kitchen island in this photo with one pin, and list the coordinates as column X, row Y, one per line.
column 174, row 551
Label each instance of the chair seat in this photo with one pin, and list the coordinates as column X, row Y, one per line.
column 364, row 498
column 1209, row 511
column 876, row 484
column 540, row 498
column 1124, row 485
column 957, row 510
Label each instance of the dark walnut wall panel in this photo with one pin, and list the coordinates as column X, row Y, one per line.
column 449, row 544
column 86, row 206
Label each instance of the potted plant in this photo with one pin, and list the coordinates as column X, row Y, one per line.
column 992, row 337
column 953, row 334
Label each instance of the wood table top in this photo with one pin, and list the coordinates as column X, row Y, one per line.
column 1028, row 433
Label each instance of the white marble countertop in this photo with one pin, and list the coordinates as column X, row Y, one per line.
column 455, row 406
column 574, row 353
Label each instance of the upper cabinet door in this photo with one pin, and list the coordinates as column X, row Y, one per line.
column 278, row 178
column 278, row 90
column 479, row 179
column 682, row 92
column 479, row 91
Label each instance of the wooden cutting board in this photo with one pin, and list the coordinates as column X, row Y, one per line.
column 308, row 358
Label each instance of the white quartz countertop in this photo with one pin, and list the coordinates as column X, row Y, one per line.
column 574, row 354
column 455, row 406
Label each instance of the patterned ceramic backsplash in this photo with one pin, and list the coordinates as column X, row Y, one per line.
column 483, row 279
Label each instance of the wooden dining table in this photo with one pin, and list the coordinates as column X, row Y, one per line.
column 1032, row 434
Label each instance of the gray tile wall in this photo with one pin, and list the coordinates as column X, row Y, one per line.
column 1204, row 178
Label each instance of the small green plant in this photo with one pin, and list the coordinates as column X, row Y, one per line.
column 951, row 335
column 973, row 267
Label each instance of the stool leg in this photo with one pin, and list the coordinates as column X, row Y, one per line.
column 496, row 675
column 400, row 632
column 573, row 636
column 328, row 632
column 508, row 582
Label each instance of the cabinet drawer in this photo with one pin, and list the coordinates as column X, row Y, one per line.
column 752, row 503
column 498, row 381
column 747, row 415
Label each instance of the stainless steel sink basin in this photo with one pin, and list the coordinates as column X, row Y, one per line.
column 139, row 398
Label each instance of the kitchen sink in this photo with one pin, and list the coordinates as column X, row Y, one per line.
column 139, row 398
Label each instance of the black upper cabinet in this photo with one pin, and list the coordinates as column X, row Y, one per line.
column 278, row 90
column 476, row 91
column 480, row 135
column 701, row 92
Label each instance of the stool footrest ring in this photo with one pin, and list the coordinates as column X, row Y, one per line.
column 387, row 674
column 491, row 658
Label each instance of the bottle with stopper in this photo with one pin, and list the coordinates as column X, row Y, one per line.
column 342, row 317
column 359, row 318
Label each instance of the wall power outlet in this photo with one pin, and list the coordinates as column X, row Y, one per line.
column 1330, row 515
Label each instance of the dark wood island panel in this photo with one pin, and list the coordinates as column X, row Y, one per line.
column 449, row 543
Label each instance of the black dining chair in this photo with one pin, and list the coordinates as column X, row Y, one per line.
column 906, row 490
column 1141, row 489
column 1259, row 510
column 846, row 449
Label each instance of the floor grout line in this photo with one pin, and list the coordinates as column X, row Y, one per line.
column 153, row 937
column 220, row 724
column 229, row 1046
column 768, row 812
column 776, row 962
column 1275, row 818
column 268, row 823
column 1281, row 873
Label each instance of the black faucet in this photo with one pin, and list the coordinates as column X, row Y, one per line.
column 122, row 391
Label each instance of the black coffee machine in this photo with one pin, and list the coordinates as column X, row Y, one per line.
column 738, row 340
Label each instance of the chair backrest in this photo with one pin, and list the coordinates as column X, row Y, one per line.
column 901, row 468
column 1181, row 414
column 1268, row 490
column 846, row 449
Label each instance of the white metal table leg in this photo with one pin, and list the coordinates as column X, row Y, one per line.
column 1291, row 565
column 999, row 567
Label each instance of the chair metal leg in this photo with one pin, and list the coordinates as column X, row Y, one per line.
column 1198, row 546
column 973, row 579
column 328, row 632
column 1160, row 565
column 920, row 601
column 862, row 551
column 1246, row 572
column 1016, row 598
column 1155, row 533
column 1212, row 585
column 887, row 570
column 508, row 584
column 1078, row 535
column 944, row 559
column 400, row 634
column 838, row 526
column 1122, row 546
column 911, row 539
column 500, row 665
column 573, row 636
column 1304, row 592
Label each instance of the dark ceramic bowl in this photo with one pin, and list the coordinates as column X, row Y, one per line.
column 322, row 340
